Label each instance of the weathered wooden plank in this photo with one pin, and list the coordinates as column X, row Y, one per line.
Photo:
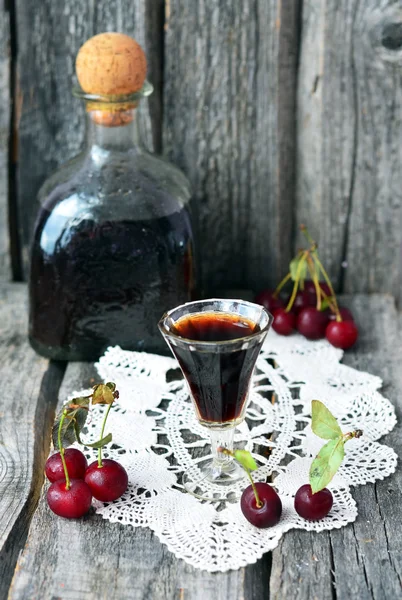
column 301, row 567
column 4, row 139
column 50, row 121
column 349, row 179
column 230, row 71
column 365, row 557
column 154, row 42
column 29, row 391
column 92, row 558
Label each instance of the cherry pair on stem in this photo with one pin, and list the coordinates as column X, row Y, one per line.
column 260, row 503
column 73, row 481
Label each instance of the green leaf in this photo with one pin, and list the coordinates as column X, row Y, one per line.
column 103, row 394
column 326, row 464
column 323, row 422
column 99, row 444
column 303, row 269
column 77, row 432
column 298, row 268
column 293, row 267
column 245, row 459
column 75, row 419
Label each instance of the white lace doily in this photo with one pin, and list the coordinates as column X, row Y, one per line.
column 155, row 434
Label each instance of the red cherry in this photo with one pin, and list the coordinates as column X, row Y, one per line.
column 312, row 323
column 72, row 503
column 75, row 461
column 269, row 513
column 108, row 482
column 284, row 322
column 267, row 299
column 345, row 314
column 303, row 299
column 342, row 334
column 313, row 506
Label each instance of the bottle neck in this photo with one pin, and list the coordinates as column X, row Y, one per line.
column 113, row 131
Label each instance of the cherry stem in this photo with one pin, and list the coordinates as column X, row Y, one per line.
column 313, row 250
column 100, row 465
column 331, row 305
column 297, row 279
column 352, row 434
column 331, row 289
column 230, row 453
column 304, row 230
column 282, row 283
column 61, row 449
column 314, row 277
column 257, row 498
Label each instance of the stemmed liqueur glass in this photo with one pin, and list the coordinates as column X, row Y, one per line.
column 216, row 343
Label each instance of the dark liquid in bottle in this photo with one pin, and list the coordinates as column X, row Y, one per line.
column 96, row 283
column 218, row 381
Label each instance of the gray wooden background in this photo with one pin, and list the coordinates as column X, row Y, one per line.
column 279, row 111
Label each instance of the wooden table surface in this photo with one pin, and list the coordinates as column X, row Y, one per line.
column 47, row 558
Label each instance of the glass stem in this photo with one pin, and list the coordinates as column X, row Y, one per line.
column 222, row 439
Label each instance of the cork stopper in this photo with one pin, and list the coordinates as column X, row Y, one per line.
column 111, row 64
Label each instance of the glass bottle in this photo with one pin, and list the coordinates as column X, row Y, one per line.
column 113, row 246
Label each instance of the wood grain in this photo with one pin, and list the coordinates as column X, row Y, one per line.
column 229, row 94
column 349, row 179
column 5, row 273
column 362, row 560
column 50, row 121
column 115, row 561
column 29, row 389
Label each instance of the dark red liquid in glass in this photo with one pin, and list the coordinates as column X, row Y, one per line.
column 218, row 381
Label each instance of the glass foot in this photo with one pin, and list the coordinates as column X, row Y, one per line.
column 216, row 481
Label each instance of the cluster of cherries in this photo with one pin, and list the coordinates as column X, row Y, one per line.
column 74, row 483
column 312, row 308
